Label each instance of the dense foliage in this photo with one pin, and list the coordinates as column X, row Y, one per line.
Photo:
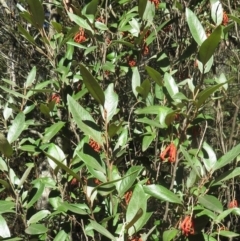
column 120, row 120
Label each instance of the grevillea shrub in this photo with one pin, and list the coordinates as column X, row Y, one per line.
column 120, row 120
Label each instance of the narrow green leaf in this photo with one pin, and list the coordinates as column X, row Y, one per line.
column 61, row 236
column 128, row 179
column 234, row 18
column 208, row 47
column 169, row 235
column 146, row 142
column 212, row 159
column 6, row 206
column 162, row 193
column 80, row 22
column 203, row 95
column 144, row 89
column 216, row 11
column 155, row 75
column 31, row 77
column 110, row 105
column 227, row 175
column 170, row 85
column 135, row 80
column 227, row 158
column 84, row 120
column 64, row 167
column 228, row 234
column 92, row 85
column 35, row 229
column 56, row 151
column 26, row 34
column 5, row 232
column 211, row 202
column 25, row 175
column 16, row 128
column 195, row 27
column 99, row 228
column 51, row 131
column 37, row 12
column 91, row 7
column 39, row 187
column 5, row 147
column 38, row 216
column 141, row 7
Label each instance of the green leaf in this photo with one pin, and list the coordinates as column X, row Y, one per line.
column 135, row 80
column 99, row 228
column 13, row 92
column 203, row 95
column 51, row 131
column 26, row 34
column 234, row 18
column 208, row 47
column 113, row 129
column 169, row 235
column 6, row 206
column 155, row 75
column 141, row 7
column 25, row 175
column 31, row 77
column 154, row 109
column 84, row 120
column 91, row 161
column 5, row 147
column 75, row 208
column 61, row 236
column 56, row 151
column 144, row 89
column 211, row 202
column 92, row 85
column 16, row 128
column 146, row 142
column 216, row 11
column 101, row 26
column 39, row 187
column 37, row 13
column 161, row 193
column 170, row 85
column 35, row 229
column 38, row 216
column 80, row 22
column 228, row 234
column 136, row 210
column 91, row 7
column 227, row 158
column 5, row 232
column 64, row 167
column 191, row 161
column 110, row 104
column 224, row 214
column 195, row 27
column 128, row 179
column 227, row 175
column 212, row 159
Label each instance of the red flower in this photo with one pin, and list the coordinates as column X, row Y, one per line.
column 80, row 36
column 170, row 152
column 95, row 146
column 155, row 2
column 128, row 196
column 233, row 204
column 97, row 182
column 56, row 98
column 187, row 226
column 225, row 19
column 74, row 182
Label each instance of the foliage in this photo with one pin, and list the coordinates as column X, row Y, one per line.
column 113, row 121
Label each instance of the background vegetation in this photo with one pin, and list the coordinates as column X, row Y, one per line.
column 120, row 120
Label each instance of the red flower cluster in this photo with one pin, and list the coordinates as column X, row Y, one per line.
column 135, row 239
column 170, row 153
column 56, row 98
column 131, row 61
column 187, row 226
column 95, row 146
column 128, row 196
column 80, row 36
column 74, row 182
column 233, row 204
column 156, row 2
column 225, row 19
